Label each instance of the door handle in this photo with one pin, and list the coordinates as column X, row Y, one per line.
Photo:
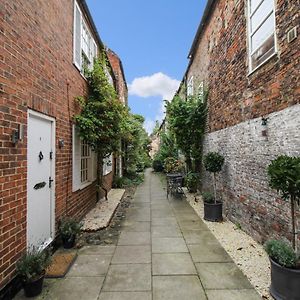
column 50, row 182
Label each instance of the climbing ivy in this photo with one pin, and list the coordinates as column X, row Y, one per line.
column 101, row 122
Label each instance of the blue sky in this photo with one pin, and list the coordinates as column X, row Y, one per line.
column 153, row 39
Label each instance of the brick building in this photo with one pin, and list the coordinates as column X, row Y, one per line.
column 122, row 91
column 46, row 171
column 247, row 53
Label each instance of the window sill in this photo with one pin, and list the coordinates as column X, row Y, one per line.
column 83, row 186
column 263, row 63
column 79, row 71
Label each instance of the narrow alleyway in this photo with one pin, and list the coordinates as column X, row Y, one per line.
column 164, row 252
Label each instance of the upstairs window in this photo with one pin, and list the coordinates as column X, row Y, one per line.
column 85, row 48
column 201, row 91
column 190, row 87
column 261, row 20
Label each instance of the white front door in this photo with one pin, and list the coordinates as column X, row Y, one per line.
column 40, row 180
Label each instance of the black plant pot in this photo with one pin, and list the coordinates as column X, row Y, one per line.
column 69, row 242
column 285, row 282
column 213, row 212
column 33, row 288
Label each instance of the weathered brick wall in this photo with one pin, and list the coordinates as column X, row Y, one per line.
column 237, row 101
column 36, row 72
column 243, row 181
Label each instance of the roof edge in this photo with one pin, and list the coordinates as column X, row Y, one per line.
column 204, row 18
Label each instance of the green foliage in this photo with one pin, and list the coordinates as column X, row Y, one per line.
column 127, row 181
column 192, row 180
column 173, row 165
column 284, row 176
column 101, row 121
column 282, row 253
column 208, row 197
column 157, row 165
column 137, row 144
column 33, row 264
column 187, row 121
column 167, row 147
column 213, row 162
column 69, row 227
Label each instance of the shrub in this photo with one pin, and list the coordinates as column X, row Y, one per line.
column 33, row 264
column 128, row 180
column 69, row 227
column 173, row 165
column 208, row 197
column 213, row 162
column 191, row 181
column 284, row 176
column 282, row 253
column 157, row 165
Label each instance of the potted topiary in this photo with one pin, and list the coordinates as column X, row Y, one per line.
column 191, row 181
column 68, row 229
column 284, row 176
column 32, row 268
column 213, row 163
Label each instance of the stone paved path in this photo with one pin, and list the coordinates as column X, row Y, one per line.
column 164, row 252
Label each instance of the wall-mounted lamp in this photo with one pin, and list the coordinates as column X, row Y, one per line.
column 264, row 123
column 17, row 134
column 61, row 143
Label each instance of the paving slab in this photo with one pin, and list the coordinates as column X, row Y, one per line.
column 166, row 231
column 250, row 294
column 173, row 264
column 90, row 265
column 192, row 224
column 134, row 238
column 136, row 226
column 167, row 221
column 97, row 250
column 125, row 296
column 177, row 288
column 132, row 254
column 195, row 236
column 73, row 288
column 222, row 276
column 168, row 245
column 210, row 251
column 129, row 277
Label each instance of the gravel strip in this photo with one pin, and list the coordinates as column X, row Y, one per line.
column 243, row 249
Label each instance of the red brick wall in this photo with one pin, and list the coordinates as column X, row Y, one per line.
column 36, row 72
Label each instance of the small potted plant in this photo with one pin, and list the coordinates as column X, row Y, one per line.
column 32, row 268
column 191, row 181
column 68, row 229
column 284, row 176
column 213, row 163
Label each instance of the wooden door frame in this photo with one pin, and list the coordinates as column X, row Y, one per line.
column 32, row 113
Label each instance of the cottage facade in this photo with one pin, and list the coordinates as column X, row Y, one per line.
column 46, row 171
column 247, row 53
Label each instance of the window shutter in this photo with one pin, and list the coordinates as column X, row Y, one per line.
column 76, row 160
column 77, row 36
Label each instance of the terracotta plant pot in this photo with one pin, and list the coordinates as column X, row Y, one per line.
column 34, row 288
column 285, row 282
column 69, row 242
column 213, row 212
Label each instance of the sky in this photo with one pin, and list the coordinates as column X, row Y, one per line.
column 153, row 39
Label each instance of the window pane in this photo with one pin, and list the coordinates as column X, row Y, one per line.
column 254, row 4
column 263, row 11
column 264, row 32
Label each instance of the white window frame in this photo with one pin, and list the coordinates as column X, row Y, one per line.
column 250, row 34
column 89, row 159
column 108, row 165
column 201, row 90
column 190, row 87
column 92, row 46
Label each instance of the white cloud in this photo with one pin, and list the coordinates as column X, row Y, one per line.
column 149, row 125
column 157, row 84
